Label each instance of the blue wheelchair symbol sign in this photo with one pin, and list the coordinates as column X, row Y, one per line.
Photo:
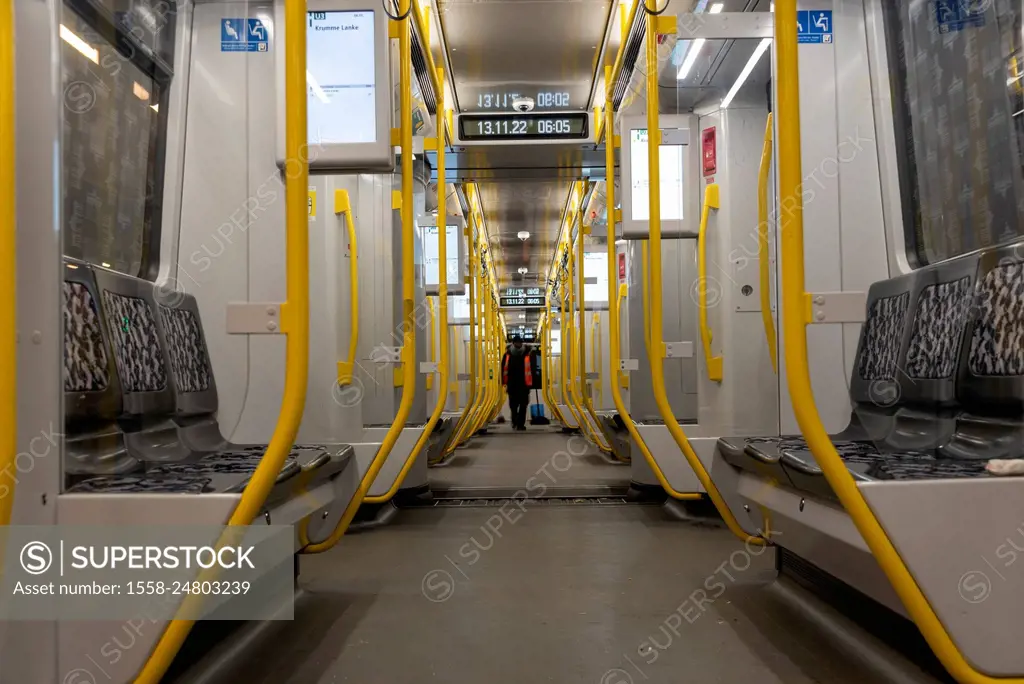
column 243, row 35
column 956, row 15
column 814, row 26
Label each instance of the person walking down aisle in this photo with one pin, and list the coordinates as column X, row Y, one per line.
column 517, row 376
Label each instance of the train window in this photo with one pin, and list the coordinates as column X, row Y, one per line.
column 958, row 96
column 114, row 64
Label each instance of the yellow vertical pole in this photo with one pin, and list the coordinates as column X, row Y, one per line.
column 8, row 254
column 657, row 351
column 442, row 255
column 294, row 324
column 409, row 369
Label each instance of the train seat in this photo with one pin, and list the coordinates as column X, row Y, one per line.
column 195, row 389
column 142, row 450
column 990, row 380
column 905, row 413
column 93, row 443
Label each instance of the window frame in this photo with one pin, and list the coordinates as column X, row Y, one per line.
column 101, row 20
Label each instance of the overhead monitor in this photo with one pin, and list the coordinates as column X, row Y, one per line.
column 348, row 87
column 522, row 298
column 532, row 128
column 679, row 178
column 457, row 265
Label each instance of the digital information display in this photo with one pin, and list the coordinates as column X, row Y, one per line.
column 340, row 84
column 432, row 258
column 543, row 99
column 671, row 162
column 522, row 298
column 524, row 126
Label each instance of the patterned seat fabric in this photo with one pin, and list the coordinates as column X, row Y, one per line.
column 883, row 331
column 126, row 484
column 136, row 343
column 187, row 350
column 939, row 323
column 229, row 462
column 997, row 342
column 85, row 354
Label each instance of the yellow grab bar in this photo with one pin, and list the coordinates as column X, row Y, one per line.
column 763, row 256
column 614, row 320
column 343, row 205
column 8, row 253
column 433, row 331
column 598, row 436
column 471, row 367
column 408, row 284
column 645, row 292
column 657, row 355
column 595, row 355
column 294, row 324
column 794, row 322
column 442, row 256
column 714, row 363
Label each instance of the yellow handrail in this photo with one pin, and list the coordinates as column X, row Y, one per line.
column 460, row 426
column 442, row 256
column 343, row 205
column 569, row 361
column 547, row 363
column 645, row 292
column 614, row 321
column 432, row 329
column 657, row 354
column 714, row 363
column 8, row 252
column 408, row 288
column 566, row 341
column 294, row 324
column 794, row 321
column 597, row 435
column 595, row 355
column 763, row 256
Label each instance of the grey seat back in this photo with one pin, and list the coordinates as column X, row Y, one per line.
column 991, row 376
column 181, row 331
column 884, row 338
column 940, row 318
column 92, row 390
column 142, row 363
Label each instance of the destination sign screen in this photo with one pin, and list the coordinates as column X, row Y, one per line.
column 522, row 298
column 572, row 126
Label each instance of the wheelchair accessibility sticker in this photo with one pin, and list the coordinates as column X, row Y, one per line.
column 243, row 35
column 814, row 26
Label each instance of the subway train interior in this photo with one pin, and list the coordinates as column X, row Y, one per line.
column 573, row 341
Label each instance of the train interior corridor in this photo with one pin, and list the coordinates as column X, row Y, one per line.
column 464, row 341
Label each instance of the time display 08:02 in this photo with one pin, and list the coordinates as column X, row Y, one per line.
column 514, row 127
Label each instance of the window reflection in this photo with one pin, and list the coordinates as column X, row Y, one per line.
column 111, row 133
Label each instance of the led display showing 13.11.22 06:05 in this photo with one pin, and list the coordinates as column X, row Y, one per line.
column 524, row 126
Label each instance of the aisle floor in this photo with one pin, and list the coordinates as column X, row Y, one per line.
column 504, row 458
column 595, row 594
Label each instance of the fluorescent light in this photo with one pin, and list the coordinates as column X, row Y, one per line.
column 694, row 51
column 72, row 39
column 762, row 47
column 155, row 108
column 524, row 235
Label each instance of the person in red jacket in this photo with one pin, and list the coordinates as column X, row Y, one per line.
column 517, row 377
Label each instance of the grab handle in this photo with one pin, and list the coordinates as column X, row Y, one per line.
column 714, row 363
column 342, row 205
column 762, row 245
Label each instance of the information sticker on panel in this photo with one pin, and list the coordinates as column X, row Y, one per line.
column 348, row 87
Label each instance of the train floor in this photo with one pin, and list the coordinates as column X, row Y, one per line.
column 505, row 459
column 589, row 594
